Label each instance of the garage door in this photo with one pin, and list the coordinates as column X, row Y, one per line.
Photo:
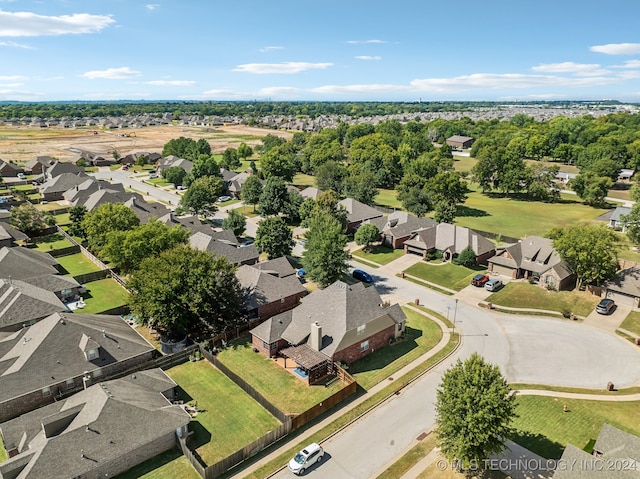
column 414, row 250
column 622, row 299
column 503, row 270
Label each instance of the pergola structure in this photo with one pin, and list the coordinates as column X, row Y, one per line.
column 314, row 363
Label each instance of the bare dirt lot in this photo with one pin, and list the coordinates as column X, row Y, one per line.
column 22, row 143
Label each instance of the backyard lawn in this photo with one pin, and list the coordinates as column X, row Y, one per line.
column 632, row 322
column 546, row 429
column 422, row 334
column 51, row 242
column 50, row 206
column 229, row 418
column 379, row 254
column 76, row 264
column 283, row 389
column 388, row 198
column 525, row 295
column 103, row 295
column 518, row 218
column 63, row 219
column 449, row 275
column 168, row 465
column 304, row 180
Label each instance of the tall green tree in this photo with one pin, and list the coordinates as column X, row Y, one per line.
column 230, row 159
column 28, row 219
column 365, row 235
column 174, row 175
column 593, row 189
column 235, row 221
column 277, row 162
column 274, row 197
column 244, row 151
column 251, row 191
column 330, row 176
column 76, row 215
column 325, row 258
column 361, row 186
column 127, row 249
column 474, row 412
column 590, row 250
column 274, row 237
column 187, row 290
column 202, row 195
column 105, row 219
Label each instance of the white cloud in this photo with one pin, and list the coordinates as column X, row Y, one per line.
column 28, row 24
column 171, row 82
column 285, row 68
column 279, row 91
column 629, row 75
column 364, row 42
column 270, row 49
column 10, row 85
column 15, row 45
column 20, row 95
column 152, row 6
column 583, row 69
column 12, row 77
column 629, row 64
column 339, row 89
column 115, row 96
column 368, row 58
column 617, row 48
column 112, row 73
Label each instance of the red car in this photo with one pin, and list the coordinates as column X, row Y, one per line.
column 479, row 280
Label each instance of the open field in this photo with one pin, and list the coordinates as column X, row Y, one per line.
column 23, row 143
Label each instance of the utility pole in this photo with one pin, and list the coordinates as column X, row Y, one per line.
column 455, row 314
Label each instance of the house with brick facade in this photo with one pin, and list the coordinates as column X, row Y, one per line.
column 224, row 243
column 269, row 288
column 101, row 431
column 61, row 354
column 450, row 240
column 9, row 170
column 358, row 213
column 53, row 189
column 342, row 322
column 533, row 257
column 397, row 227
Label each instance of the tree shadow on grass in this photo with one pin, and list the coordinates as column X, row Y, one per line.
column 462, row 210
column 539, row 444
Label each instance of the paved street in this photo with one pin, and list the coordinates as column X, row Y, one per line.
column 124, row 177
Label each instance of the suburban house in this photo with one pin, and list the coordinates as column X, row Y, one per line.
column 9, row 235
column 618, row 449
column 269, row 288
column 234, row 185
column 167, row 162
column 21, row 263
column 616, row 221
column 310, row 192
column 62, row 353
column 564, row 177
column 342, row 322
column 358, row 213
column 450, row 240
column 101, row 197
column 23, row 304
column 9, row 169
column 131, row 158
column 61, row 167
column 79, row 193
column 459, row 142
column 626, row 174
column 224, row 243
column 38, row 165
column 101, row 431
column 53, row 189
column 397, row 228
column 533, row 257
column 624, row 288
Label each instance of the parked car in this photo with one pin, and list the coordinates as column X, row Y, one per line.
column 362, row 276
column 222, row 199
column 246, row 242
column 493, row 285
column 22, row 176
column 606, row 306
column 479, row 280
column 310, row 455
column 153, row 176
column 181, row 188
column 301, row 273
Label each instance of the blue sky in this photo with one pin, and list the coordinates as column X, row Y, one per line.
column 348, row 50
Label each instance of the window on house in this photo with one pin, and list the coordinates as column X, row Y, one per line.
column 70, row 383
column 46, row 392
column 399, row 326
column 364, row 346
column 97, row 373
column 362, row 329
column 265, row 345
column 92, row 354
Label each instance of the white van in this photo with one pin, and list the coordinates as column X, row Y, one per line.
column 306, row 458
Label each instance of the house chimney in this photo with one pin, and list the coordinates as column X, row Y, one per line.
column 316, row 336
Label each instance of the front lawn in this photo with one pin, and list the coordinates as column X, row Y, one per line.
column 449, row 275
column 421, row 335
column 168, row 465
column 284, row 390
column 230, row 202
column 379, row 254
column 248, row 210
column 228, row 418
column 51, row 242
column 102, row 295
column 525, row 295
column 632, row 322
column 76, row 264
column 546, row 429
column 159, row 182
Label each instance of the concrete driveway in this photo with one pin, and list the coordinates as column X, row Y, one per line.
column 609, row 322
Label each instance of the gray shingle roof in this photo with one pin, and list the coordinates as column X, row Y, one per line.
column 401, row 224
column 311, row 192
column 21, row 302
column 100, row 424
column 535, row 254
column 612, row 442
column 357, row 211
column 260, row 287
column 63, row 182
column 48, row 352
column 62, row 167
column 271, row 330
column 279, row 266
column 221, row 244
column 445, row 236
column 53, row 282
column 21, row 263
column 145, row 211
column 626, row 281
column 7, row 231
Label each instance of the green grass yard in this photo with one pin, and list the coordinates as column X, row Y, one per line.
column 284, row 390
column 248, row 211
column 50, row 206
column 422, row 334
column 632, row 322
column 159, row 182
column 463, row 163
column 448, row 275
column 62, row 219
column 103, row 295
column 379, row 254
column 546, row 429
column 304, row 180
column 3, row 453
column 76, row 264
column 389, row 199
column 228, row 419
column 525, row 295
column 168, row 465
column 51, row 242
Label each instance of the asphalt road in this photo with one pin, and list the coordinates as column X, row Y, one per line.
column 119, row 176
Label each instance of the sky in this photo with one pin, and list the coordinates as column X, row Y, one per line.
column 299, row 50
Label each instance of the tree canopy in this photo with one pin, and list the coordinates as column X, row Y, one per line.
column 187, row 290
column 474, row 412
column 28, row 219
column 202, row 195
column 274, row 237
column 325, row 258
column 235, row 221
column 365, row 235
column 251, row 190
column 104, row 219
column 174, row 175
column 274, row 197
column 186, row 148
